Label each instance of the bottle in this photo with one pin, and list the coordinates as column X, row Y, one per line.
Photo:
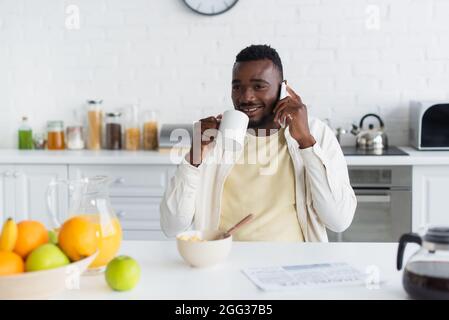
column 94, row 119
column 113, row 131
column 150, row 130
column 55, row 135
column 132, row 133
column 25, row 135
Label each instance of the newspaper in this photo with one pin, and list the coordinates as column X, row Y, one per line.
column 281, row 278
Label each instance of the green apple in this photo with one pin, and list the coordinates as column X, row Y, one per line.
column 46, row 256
column 122, row 273
column 53, row 236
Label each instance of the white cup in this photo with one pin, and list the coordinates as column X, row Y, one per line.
column 233, row 127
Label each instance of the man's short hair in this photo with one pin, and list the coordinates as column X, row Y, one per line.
column 260, row 52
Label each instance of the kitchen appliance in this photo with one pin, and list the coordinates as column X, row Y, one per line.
column 384, row 204
column 426, row 275
column 371, row 138
column 175, row 136
column 429, row 125
column 390, row 151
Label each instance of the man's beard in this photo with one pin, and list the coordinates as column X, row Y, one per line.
column 264, row 121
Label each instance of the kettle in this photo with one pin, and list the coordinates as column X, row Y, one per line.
column 426, row 274
column 371, row 139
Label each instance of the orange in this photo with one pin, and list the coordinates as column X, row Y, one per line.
column 10, row 263
column 78, row 238
column 31, row 234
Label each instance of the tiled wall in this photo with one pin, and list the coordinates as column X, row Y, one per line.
column 344, row 57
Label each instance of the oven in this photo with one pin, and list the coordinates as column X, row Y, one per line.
column 384, row 204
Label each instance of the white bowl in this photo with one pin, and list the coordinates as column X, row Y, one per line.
column 203, row 253
column 43, row 284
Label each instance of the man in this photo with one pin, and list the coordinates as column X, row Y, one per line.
column 309, row 189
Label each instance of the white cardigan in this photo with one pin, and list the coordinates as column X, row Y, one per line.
column 324, row 196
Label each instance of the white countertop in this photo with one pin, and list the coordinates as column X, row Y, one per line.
column 87, row 157
column 415, row 157
column 10, row 156
column 166, row 276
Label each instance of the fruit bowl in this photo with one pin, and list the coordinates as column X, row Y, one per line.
column 43, row 284
column 199, row 249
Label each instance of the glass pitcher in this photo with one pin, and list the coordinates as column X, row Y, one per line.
column 426, row 274
column 89, row 197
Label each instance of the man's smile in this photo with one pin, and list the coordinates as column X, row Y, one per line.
column 251, row 111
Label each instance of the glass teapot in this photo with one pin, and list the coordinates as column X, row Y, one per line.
column 426, row 274
column 89, row 198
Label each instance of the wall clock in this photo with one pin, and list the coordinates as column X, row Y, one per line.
column 210, row 7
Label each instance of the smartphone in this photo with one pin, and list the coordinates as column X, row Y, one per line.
column 283, row 94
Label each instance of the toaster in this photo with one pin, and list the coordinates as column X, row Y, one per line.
column 175, row 135
column 429, row 125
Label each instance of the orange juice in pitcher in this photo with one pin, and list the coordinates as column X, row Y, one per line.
column 92, row 224
column 110, row 233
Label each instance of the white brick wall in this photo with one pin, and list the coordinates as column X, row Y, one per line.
column 170, row 59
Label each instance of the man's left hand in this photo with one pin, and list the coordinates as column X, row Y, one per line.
column 294, row 113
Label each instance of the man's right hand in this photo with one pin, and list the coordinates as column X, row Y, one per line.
column 204, row 130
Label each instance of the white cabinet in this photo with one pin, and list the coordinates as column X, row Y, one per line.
column 23, row 188
column 128, row 180
column 7, row 192
column 31, row 187
column 430, row 196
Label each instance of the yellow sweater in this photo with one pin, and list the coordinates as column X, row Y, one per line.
column 262, row 182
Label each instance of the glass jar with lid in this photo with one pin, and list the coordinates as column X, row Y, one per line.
column 150, row 130
column 75, row 137
column 39, row 141
column 94, row 124
column 113, row 122
column 55, row 135
column 132, row 132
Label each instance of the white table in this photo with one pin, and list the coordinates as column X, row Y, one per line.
column 166, row 276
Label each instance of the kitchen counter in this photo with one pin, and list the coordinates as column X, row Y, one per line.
column 166, row 276
column 87, row 157
column 415, row 157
